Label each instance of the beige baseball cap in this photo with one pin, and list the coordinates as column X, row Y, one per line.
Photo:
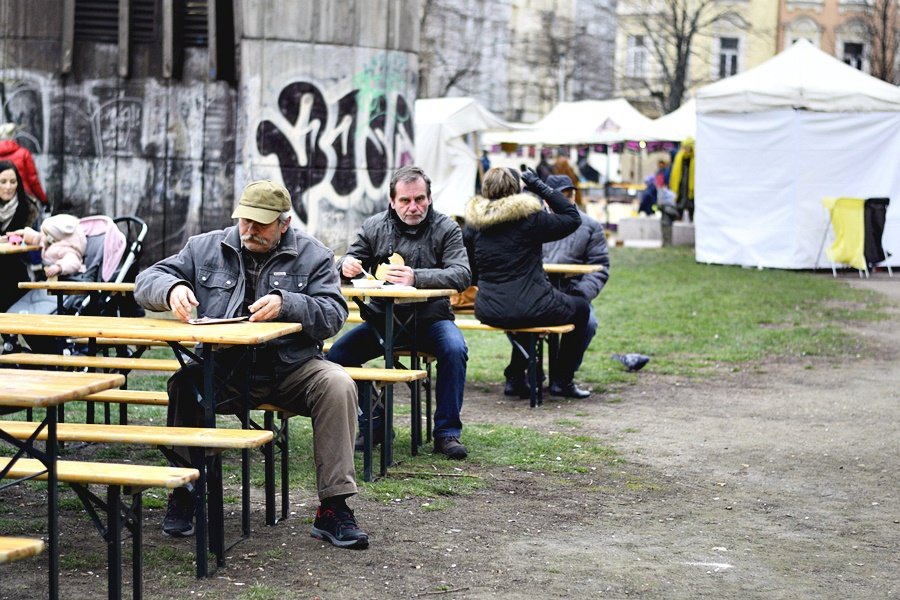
column 262, row 201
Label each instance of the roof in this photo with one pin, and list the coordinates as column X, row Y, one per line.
column 801, row 77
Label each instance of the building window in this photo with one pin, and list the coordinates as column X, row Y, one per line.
column 728, row 57
column 97, row 21
column 636, row 57
column 853, row 54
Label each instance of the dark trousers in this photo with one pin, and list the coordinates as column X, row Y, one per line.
column 572, row 345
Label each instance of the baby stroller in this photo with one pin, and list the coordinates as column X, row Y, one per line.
column 112, row 253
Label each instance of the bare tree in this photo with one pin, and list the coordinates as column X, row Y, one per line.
column 671, row 33
column 883, row 28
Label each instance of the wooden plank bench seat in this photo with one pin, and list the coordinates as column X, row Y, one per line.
column 112, row 363
column 130, row 478
column 201, row 437
column 17, row 548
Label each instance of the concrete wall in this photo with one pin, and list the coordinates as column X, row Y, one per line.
column 331, row 120
column 323, row 102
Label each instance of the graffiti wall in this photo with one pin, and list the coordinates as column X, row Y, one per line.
column 162, row 151
column 332, row 136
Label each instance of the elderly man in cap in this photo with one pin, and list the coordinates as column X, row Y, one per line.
column 584, row 246
column 265, row 270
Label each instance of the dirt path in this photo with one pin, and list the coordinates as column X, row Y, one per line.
column 779, row 481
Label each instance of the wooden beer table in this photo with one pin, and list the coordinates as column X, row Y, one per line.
column 176, row 334
column 27, row 389
column 393, row 328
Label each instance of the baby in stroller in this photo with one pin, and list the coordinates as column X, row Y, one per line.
column 63, row 244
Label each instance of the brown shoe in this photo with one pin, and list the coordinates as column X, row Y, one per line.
column 450, row 447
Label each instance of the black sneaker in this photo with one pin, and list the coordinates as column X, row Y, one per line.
column 339, row 527
column 450, row 447
column 567, row 389
column 179, row 521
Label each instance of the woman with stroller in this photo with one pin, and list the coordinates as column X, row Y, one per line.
column 17, row 211
column 513, row 290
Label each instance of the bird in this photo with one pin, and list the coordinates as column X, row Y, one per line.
column 632, row 360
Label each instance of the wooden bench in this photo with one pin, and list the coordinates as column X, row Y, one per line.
column 366, row 379
column 107, row 363
column 15, row 548
column 534, row 353
column 209, row 439
column 133, row 480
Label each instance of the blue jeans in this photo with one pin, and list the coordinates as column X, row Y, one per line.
column 442, row 339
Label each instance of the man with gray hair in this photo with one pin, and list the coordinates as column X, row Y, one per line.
column 265, row 270
column 434, row 256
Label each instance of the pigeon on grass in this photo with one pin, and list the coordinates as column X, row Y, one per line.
column 632, row 360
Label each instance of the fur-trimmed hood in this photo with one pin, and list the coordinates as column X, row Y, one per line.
column 482, row 213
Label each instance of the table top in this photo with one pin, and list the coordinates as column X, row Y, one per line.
column 26, row 388
column 12, row 548
column 77, row 286
column 7, row 248
column 562, row 269
column 166, row 330
column 396, row 292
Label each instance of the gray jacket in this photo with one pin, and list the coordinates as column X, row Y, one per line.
column 585, row 246
column 301, row 270
column 434, row 249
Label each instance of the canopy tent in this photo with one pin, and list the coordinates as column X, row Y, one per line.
column 581, row 123
column 774, row 141
column 677, row 125
column 441, row 126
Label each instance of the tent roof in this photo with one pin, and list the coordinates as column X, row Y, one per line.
column 801, row 77
column 456, row 116
column 584, row 122
column 678, row 124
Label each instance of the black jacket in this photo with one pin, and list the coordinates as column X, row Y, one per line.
column 434, row 249
column 513, row 290
column 587, row 246
column 15, row 266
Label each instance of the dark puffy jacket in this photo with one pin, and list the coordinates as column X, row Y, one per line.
column 513, row 289
column 301, row 270
column 434, row 249
column 587, row 246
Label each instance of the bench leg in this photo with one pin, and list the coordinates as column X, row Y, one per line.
column 269, row 464
column 428, row 387
column 285, row 466
column 365, row 397
column 118, row 517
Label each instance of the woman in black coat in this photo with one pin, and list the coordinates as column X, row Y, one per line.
column 17, row 211
column 510, row 229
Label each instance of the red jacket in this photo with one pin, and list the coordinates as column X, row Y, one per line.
column 21, row 157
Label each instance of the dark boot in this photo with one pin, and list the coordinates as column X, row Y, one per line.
column 516, row 386
column 568, row 389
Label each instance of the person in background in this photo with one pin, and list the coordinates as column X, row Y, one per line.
column 513, row 289
column 562, row 166
column 544, row 169
column 21, row 157
column 648, row 196
column 681, row 178
column 62, row 243
column 431, row 245
column 17, row 211
column 585, row 246
column 264, row 270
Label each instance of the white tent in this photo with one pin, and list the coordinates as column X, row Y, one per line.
column 442, row 152
column 772, row 142
column 678, row 124
column 583, row 122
